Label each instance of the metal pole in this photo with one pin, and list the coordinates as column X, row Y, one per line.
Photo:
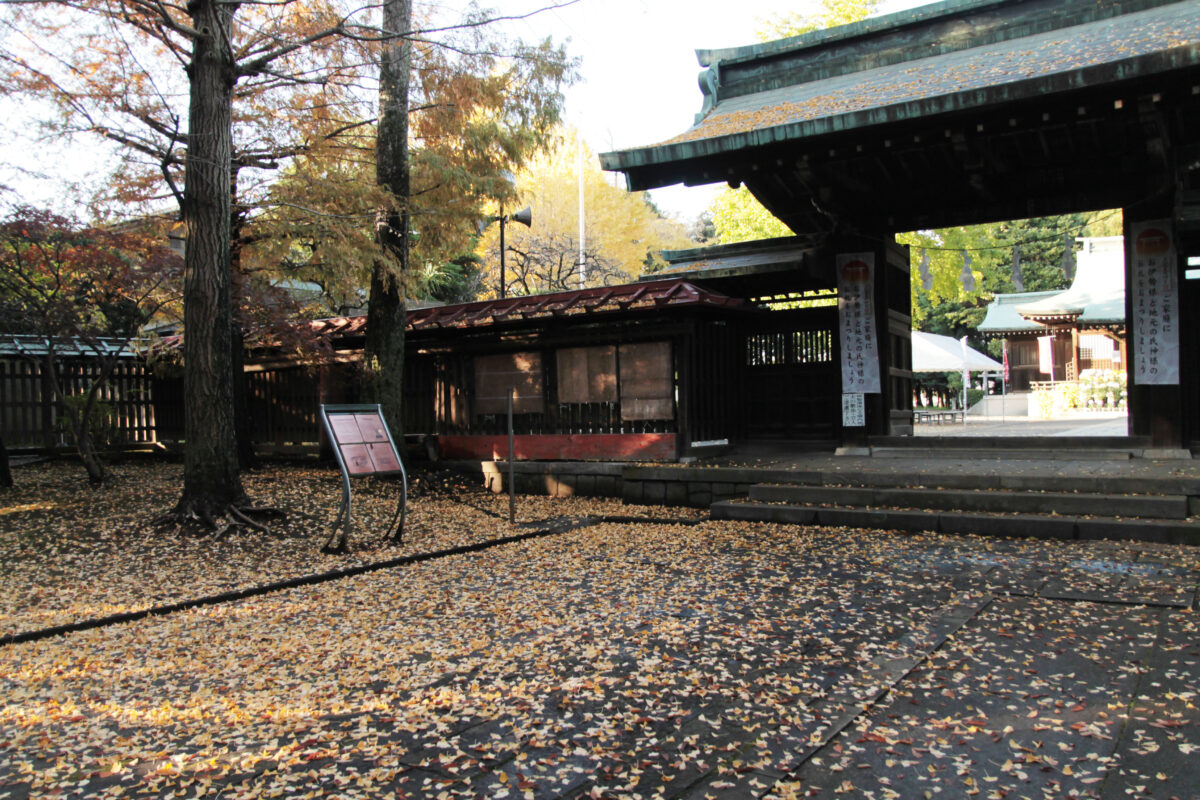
column 501, row 252
column 966, row 376
column 1004, row 385
column 512, row 489
column 582, row 228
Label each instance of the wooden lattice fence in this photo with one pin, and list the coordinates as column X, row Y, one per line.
column 30, row 416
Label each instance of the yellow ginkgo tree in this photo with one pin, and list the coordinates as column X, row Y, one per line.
column 623, row 232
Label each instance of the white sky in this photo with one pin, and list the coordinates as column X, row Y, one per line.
column 637, row 87
column 639, row 72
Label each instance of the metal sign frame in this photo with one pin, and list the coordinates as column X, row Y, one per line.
column 362, row 453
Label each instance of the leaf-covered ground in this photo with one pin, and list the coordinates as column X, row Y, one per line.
column 69, row 551
column 614, row 660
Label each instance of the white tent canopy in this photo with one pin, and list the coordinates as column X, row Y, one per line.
column 934, row 353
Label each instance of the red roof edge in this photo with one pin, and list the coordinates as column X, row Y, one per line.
column 597, row 300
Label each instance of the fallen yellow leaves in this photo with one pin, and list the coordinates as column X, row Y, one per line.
column 615, row 660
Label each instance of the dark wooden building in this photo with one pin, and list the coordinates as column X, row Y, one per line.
column 971, row 111
column 724, row 349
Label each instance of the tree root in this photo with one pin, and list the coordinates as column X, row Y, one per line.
column 231, row 518
column 237, row 514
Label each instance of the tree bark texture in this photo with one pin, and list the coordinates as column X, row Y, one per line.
column 211, row 479
column 385, row 306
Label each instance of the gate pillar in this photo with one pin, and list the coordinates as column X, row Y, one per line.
column 874, row 336
column 1155, row 264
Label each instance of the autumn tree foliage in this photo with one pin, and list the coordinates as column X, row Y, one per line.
column 207, row 104
column 479, row 108
column 162, row 82
column 81, row 290
column 493, row 123
column 456, row 113
column 624, row 233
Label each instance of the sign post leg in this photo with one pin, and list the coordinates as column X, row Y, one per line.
column 401, row 510
column 342, row 520
column 363, row 446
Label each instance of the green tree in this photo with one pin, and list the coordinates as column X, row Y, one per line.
column 830, row 14
column 943, row 303
column 738, row 217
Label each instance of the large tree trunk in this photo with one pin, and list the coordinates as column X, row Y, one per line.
column 385, row 307
column 211, row 480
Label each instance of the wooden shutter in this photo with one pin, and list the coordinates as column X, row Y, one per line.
column 647, row 381
column 495, row 375
column 587, row 375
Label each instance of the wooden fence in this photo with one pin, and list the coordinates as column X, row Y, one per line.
column 147, row 409
column 30, row 417
column 284, row 405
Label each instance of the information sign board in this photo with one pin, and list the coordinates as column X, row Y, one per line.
column 1155, row 300
column 856, row 318
column 854, row 410
column 363, row 445
column 363, row 442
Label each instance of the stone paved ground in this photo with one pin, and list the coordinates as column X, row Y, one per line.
column 644, row 660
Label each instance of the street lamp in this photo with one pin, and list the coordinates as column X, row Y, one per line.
column 524, row 216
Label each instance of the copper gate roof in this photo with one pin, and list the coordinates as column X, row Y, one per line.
column 956, row 113
column 795, row 89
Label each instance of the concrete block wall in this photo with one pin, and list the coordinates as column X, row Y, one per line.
column 634, row 483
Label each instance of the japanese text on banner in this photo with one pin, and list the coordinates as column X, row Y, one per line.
column 1155, row 301
column 856, row 317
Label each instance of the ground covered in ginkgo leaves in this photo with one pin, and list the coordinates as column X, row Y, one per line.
column 662, row 656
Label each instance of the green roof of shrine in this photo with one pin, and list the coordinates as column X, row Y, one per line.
column 1096, row 297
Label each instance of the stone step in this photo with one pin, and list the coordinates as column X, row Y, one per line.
column 928, row 473
column 959, row 522
column 1032, row 454
column 1143, row 506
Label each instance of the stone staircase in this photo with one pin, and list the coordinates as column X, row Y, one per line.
column 1061, row 507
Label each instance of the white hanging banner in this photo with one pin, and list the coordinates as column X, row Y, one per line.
column 856, row 317
column 1155, row 299
column 1046, row 355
